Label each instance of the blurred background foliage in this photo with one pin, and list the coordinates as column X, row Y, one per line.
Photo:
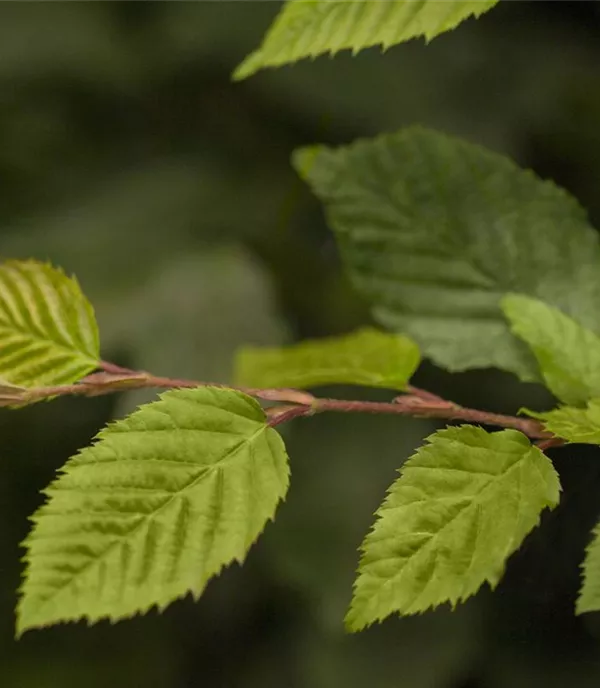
column 128, row 158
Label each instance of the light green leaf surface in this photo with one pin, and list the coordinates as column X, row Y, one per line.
column 434, row 231
column 581, row 425
column 463, row 504
column 48, row 333
column 308, row 28
column 567, row 353
column 160, row 503
column 589, row 595
column 366, row 357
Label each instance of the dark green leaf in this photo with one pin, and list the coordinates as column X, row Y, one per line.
column 434, row 231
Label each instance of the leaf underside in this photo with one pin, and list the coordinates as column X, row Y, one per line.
column 434, row 231
column 308, row 28
column 367, row 357
column 567, row 353
column 48, row 332
column 463, row 504
column 158, row 505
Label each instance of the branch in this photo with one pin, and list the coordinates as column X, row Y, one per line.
column 104, row 382
column 294, row 403
column 550, row 442
column 416, row 406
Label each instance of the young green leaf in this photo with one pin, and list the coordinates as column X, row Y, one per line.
column 434, row 231
column 366, row 357
column 48, row 332
column 567, row 353
column 308, row 28
column 158, row 505
column 463, row 504
column 589, row 595
column 573, row 424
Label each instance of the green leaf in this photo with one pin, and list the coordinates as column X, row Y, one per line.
column 308, row 28
column 573, row 424
column 463, row 504
column 434, row 231
column 589, row 595
column 567, row 353
column 160, row 503
column 48, row 333
column 366, row 357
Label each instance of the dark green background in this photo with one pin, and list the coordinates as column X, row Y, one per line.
column 128, row 158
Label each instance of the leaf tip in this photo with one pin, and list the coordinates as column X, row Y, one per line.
column 249, row 66
column 304, row 158
column 352, row 622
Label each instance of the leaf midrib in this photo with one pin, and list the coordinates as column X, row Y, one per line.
column 431, row 541
column 47, row 340
column 197, row 479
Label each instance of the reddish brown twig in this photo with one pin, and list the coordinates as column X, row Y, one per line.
column 295, row 403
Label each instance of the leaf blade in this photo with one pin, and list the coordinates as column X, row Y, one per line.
column 434, row 231
column 310, row 28
column 48, row 331
column 567, row 353
column 366, row 357
column 463, row 503
column 588, row 599
column 578, row 425
column 158, row 505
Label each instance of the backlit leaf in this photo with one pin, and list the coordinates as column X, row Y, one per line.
column 463, row 504
column 308, row 28
column 580, row 425
column 589, row 595
column 160, row 503
column 366, row 357
column 48, row 332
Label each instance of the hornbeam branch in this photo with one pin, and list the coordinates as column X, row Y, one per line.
column 294, row 402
